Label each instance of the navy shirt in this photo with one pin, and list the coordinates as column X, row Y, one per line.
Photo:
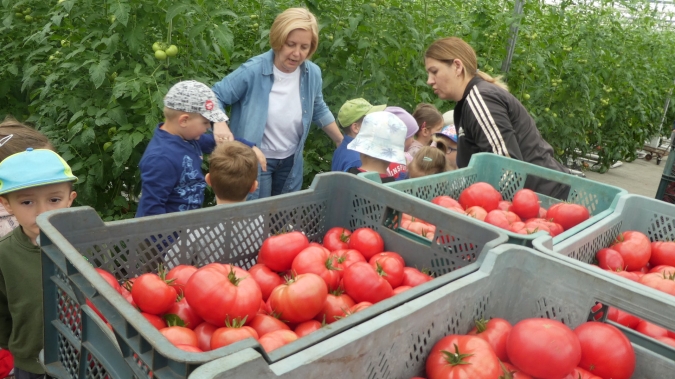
column 343, row 158
column 171, row 173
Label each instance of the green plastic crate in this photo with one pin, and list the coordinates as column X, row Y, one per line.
column 508, row 176
column 73, row 240
column 666, row 190
column 514, row 283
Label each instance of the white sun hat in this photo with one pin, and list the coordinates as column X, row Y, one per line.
column 382, row 136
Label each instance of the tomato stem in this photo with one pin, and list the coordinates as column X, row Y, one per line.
column 380, row 270
column 232, row 277
column 456, row 358
column 481, row 325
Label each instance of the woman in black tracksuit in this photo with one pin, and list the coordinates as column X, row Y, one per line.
column 487, row 117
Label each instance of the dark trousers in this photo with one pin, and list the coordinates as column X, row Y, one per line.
column 20, row 374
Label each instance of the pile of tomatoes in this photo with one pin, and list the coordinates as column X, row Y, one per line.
column 533, row 348
column 296, row 288
column 522, row 215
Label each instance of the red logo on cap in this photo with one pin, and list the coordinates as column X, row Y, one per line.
column 208, row 105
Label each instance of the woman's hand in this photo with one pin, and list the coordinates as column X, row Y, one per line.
column 334, row 133
column 261, row 158
column 222, row 133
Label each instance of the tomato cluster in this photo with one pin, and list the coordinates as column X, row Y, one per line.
column 296, row 288
column 533, row 348
column 523, row 215
column 162, row 51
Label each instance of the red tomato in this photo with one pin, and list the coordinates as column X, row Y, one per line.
column 110, row 279
column 446, row 202
column 126, row 294
column 367, row 241
column 277, row 252
column 635, row 249
column 622, row 318
column 93, row 308
column 651, row 330
column 266, row 279
column 617, row 362
column 152, row 294
column 537, row 224
column 663, row 253
column 319, row 261
column 511, row 372
column 609, row 259
column 542, row 212
column 421, row 228
column 345, row 258
column 300, row 299
column 154, row 320
column 459, row 356
column 659, row 281
column 413, row 277
column 204, row 332
column 668, row 270
column 276, row 339
column 580, row 373
column 184, row 311
column 336, row 239
column 504, row 205
column 363, row 282
column 392, row 266
column 476, row 212
column 543, row 348
column 180, row 275
column 525, row 204
column 480, row 194
column 189, row 348
column 630, row 275
column 359, row 307
column 667, row 340
column 179, row 335
column 568, row 215
column 222, row 292
column 502, row 219
column 307, row 327
column 400, row 289
column 264, row 324
column 335, row 308
column 231, row 334
column 495, row 332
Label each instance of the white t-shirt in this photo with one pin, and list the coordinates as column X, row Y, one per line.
column 284, row 116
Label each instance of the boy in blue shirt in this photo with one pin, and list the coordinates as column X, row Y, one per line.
column 349, row 119
column 171, row 174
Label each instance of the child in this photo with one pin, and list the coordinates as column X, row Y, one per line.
column 16, row 137
column 31, row 183
column 428, row 161
column 430, row 121
column 171, row 166
column 446, row 141
column 233, row 170
column 349, row 119
column 399, row 170
column 380, row 142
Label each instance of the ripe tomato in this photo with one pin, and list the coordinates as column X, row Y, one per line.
column 609, row 259
column 668, row 270
column 651, row 330
column 300, row 299
column 319, row 261
column 180, row 274
column 232, row 333
column 223, row 292
column 459, row 356
column 495, row 332
column 580, row 373
column 630, row 275
column 277, row 252
column 266, row 279
column 422, row 229
column 346, row 257
column 307, row 327
column 367, row 241
column 336, row 307
column 110, row 279
column 359, row 307
column 152, row 294
column 391, row 265
column 511, row 372
column 184, row 311
column 504, row 205
column 413, row 277
column 542, row 212
column 663, row 253
column 476, row 212
column 189, row 348
column 568, row 215
column 363, row 282
column 502, row 219
column 400, row 289
column 276, row 339
column 204, row 332
column 336, row 239
column 525, row 204
column 179, row 335
column 541, row 224
column 264, row 324
column 667, row 340
column 154, row 320
column 635, row 249
column 543, row 348
column 480, row 194
column 446, row 202
column 660, row 281
column 622, row 318
column 617, row 362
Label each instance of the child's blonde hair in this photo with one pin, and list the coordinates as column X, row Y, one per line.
column 429, row 160
column 427, row 116
column 233, row 168
column 16, row 137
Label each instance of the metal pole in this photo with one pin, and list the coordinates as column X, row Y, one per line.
column 517, row 12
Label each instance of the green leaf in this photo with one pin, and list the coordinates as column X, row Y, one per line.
column 121, row 152
column 121, row 11
column 98, row 72
column 88, row 136
column 118, row 115
column 12, row 69
column 176, row 9
column 224, row 36
column 136, row 138
column 197, row 30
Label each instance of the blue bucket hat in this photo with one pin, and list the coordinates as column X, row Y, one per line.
column 33, row 168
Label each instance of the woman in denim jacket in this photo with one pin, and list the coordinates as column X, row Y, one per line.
column 274, row 97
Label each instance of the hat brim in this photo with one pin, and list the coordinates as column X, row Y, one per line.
column 453, row 139
column 385, row 153
column 377, row 108
column 215, row 115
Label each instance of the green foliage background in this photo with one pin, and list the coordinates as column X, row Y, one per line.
column 84, row 72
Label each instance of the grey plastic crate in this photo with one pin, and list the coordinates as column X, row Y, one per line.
column 74, row 240
column 514, row 283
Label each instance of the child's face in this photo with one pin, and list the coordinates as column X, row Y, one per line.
column 193, row 125
column 27, row 204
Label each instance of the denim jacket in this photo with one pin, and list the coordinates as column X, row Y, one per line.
column 247, row 90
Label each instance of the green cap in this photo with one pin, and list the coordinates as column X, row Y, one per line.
column 354, row 109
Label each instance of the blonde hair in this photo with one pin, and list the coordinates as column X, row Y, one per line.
column 429, row 160
column 292, row 19
column 233, row 168
column 448, row 49
column 427, row 116
column 19, row 137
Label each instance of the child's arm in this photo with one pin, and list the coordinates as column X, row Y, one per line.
column 158, row 179
column 5, row 317
column 207, row 142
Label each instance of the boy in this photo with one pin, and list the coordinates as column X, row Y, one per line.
column 349, row 119
column 233, row 170
column 380, row 141
column 31, row 183
column 171, row 167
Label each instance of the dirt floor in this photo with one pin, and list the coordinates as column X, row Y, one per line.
column 639, row 177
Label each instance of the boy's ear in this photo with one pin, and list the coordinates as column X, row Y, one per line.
column 71, row 198
column 254, row 186
column 207, row 179
column 183, row 118
column 5, row 203
column 355, row 127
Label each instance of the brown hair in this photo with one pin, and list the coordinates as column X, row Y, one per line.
column 427, row 116
column 448, row 49
column 429, row 160
column 233, row 168
column 18, row 137
column 290, row 20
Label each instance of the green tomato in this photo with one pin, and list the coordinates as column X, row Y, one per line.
column 526, row 96
column 160, row 54
column 172, row 51
column 27, row 11
column 65, row 43
column 28, row 18
column 156, row 46
column 255, row 26
column 330, row 37
column 17, row 14
column 254, row 16
column 61, row 1
column 547, row 110
column 107, row 146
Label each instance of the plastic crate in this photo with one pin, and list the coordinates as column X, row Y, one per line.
column 508, row 176
column 669, row 167
column 514, row 283
column 73, row 240
column 666, row 190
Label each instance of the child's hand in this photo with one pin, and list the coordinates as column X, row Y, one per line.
column 261, row 158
